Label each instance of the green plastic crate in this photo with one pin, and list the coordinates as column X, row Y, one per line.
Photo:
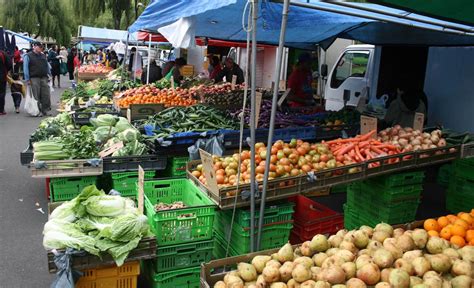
column 280, row 212
column 220, row 246
column 125, row 182
column 462, row 187
column 464, row 168
column 180, row 278
column 395, row 213
column 342, row 188
column 445, row 173
column 183, row 255
column 176, row 166
column 456, row 203
column 64, row 189
column 193, row 223
column 353, row 220
column 273, row 235
column 363, row 191
column 400, row 179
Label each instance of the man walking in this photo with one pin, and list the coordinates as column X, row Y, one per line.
column 5, row 66
column 36, row 72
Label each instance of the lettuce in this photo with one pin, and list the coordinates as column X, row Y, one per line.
column 104, row 133
column 104, row 120
column 128, row 135
column 122, row 124
column 65, row 212
column 55, row 239
column 126, row 228
column 107, row 205
column 118, row 250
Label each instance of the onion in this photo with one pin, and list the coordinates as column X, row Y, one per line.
column 441, row 143
column 416, row 147
column 426, row 135
column 434, row 139
column 408, row 129
column 394, row 131
column 415, row 142
column 398, row 127
column 383, row 133
column 403, row 142
column 395, row 138
column 408, row 147
column 432, row 146
column 427, row 141
column 425, row 146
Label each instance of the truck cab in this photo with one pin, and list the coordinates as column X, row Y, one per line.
column 350, row 78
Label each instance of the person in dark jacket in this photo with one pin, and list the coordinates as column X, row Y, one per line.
column 53, row 59
column 36, row 72
column 409, row 101
column 5, row 66
column 216, row 67
column 230, row 70
column 155, row 72
column 70, row 63
column 17, row 91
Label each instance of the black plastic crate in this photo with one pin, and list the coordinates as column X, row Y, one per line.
column 131, row 163
column 83, row 118
column 178, row 145
column 26, row 156
column 336, row 131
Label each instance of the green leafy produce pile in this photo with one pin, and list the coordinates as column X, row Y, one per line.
column 96, row 223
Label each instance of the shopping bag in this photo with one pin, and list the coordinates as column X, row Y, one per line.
column 63, row 68
column 31, row 105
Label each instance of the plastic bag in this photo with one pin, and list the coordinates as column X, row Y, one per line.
column 213, row 145
column 66, row 276
column 31, row 105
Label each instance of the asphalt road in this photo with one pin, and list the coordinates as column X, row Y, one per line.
column 23, row 259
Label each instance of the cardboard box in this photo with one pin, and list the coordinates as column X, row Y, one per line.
column 187, row 70
column 142, row 111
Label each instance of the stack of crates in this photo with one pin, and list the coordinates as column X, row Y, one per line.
column 176, row 167
column 277, row 225
column 184, row 236
column 460, row 194
column 392, row 199
column 124, row 276
column 125, row 182
column 445, row 173
column 66, row 188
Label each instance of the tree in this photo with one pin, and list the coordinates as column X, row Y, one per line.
column 46, row 18
column 91, row 9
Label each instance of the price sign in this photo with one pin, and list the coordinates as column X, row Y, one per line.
column 234, row 81
column 283, row 97
column 208, row 169
column 110, row 150
column 258, row 104
column 418, row 121
column 282, row 85
column 141, row 180
column 367, row 124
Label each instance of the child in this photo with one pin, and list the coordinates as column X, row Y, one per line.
column 17, row 88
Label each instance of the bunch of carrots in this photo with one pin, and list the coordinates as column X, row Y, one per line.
column 361, row 148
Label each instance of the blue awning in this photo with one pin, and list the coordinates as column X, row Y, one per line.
column 306, row 27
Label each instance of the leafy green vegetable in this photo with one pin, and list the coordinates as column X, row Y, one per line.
column 104, row 120
column 80, row 144
column 118, row 250
column 55, row 239
column 105, row 205
column 128, row 135
column 126, row 228
column 103, row 133
column 65, row 211
column 122, row 124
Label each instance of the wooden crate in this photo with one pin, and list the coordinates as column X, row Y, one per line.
column 65, row 168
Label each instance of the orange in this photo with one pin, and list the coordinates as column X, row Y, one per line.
column 469, row 235
column 433, row 233
column 445, row 233
column 462, row 223
column 472, row 212
column 452, row 218
column 468, row 218
column 431, row 224
column 458, row 241
column 443, row 221
column 471, row 243
column 458, row 231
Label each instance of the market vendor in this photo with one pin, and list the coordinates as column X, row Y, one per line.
column 301, row 93
column 402, row 109
column 231, row 68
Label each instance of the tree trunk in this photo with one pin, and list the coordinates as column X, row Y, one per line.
column 117, row 22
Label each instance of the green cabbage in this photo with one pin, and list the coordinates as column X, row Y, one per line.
column 128, row 135
column 104, row 120
column 90, row 223
column 118, row 250
column 126, row 228
column 104, row 133
column 122, row 124
column 55, row 239
column 107, row 205
column 65, row 212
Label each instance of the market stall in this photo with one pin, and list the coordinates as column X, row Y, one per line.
column 192, row 173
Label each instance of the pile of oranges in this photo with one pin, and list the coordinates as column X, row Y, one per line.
column 458, row 229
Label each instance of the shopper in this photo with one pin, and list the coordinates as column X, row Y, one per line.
column 135, row 63
column 53, row 59
column 175, row 71
column 216, row 68
column 17, row 89
column 301, row 93
column 17, row 60
column 113, row 60
column 5, row 66
column 402, row 110
column 63, row 60
column 36, row 72
column 155, row 72
column 70, row 63
column 231, row 68
column 101, row 58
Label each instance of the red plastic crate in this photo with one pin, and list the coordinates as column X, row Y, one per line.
column 295, row 239
column 312, row 218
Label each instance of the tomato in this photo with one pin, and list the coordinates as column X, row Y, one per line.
column 295, row 172
column 280, row 170
column 274, row 150
column 306, row 168
column 301, row 151
column 260, row 169
column 324, row 158
column 278, row 145
column 220, row 179
column 273, row 159
column 263, row 154
column 285, row 161
column 280, row 154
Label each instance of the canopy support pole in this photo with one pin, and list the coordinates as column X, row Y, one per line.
column 124, row 59
column 381, row 19
column 148, row 65
column 253, row 87
column 276, row 81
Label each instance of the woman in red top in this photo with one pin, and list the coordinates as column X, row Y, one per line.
column 17, row 60
column 301, row 93
column 216, row 67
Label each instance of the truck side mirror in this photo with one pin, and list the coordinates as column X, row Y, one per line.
column 324, row 70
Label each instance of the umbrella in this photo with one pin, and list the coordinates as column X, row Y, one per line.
column 2, row 40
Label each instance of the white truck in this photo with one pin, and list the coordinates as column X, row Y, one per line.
column 445, row 74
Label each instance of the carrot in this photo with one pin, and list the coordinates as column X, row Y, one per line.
column 363, row 144
column 357, row 151
column 388, row 146
column 377, row 150
column 367, row 135
column 346, row 149
column 340, row 140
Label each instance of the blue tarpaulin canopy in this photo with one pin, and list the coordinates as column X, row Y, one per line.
column 306, row 27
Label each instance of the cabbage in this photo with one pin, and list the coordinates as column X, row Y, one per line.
column 128, row 135
column 90, row 223
column 122, row 124
column 65, row 212
column 58, row 225
column 118, row 250
column 126, row 228
column 107, row 205
column 103, row 120
column 103, row 133
column 61, row 239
